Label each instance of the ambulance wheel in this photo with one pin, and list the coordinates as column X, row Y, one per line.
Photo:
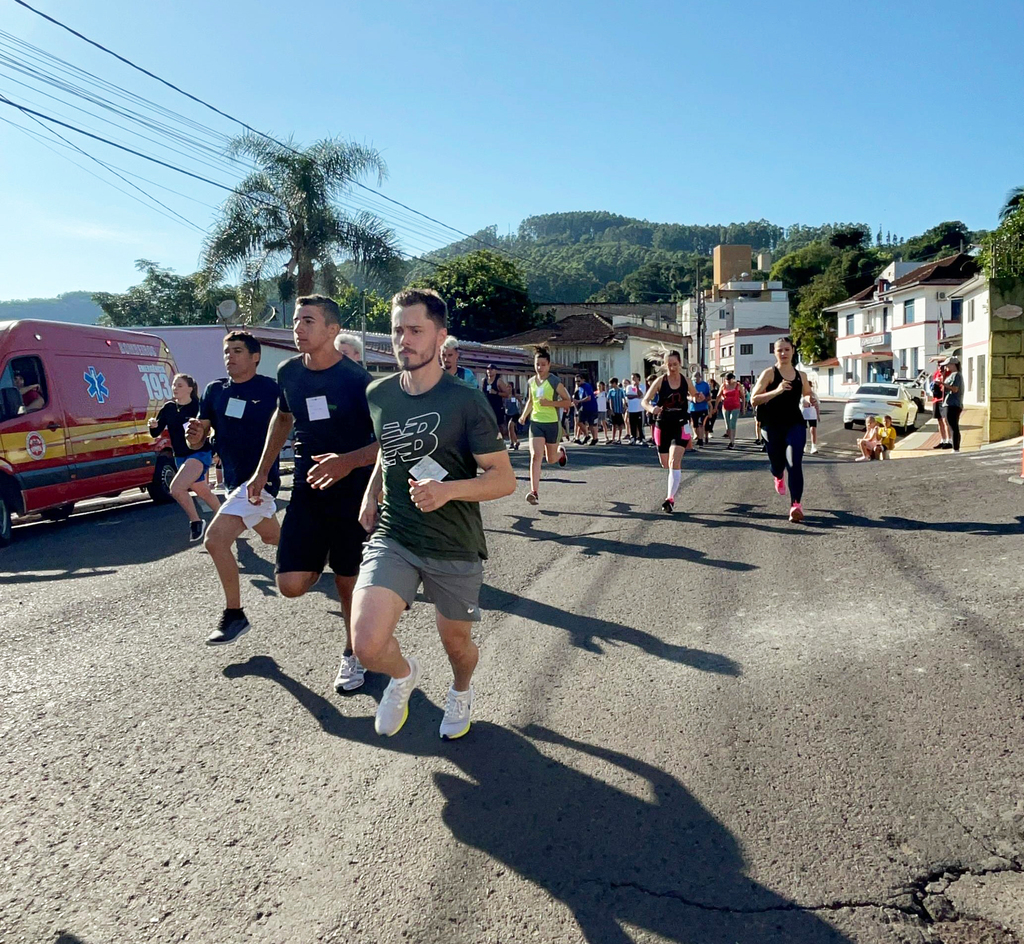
column 60, row 513
column 160, row 488
column 5, row 522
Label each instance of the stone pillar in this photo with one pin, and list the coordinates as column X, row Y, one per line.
column 1005, row 368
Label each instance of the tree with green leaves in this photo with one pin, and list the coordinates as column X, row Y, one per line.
column 486, row 295
column 1014, row 201
column 163, row 298
column 286, row 213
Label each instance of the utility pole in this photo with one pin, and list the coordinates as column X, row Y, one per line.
column 364, row 329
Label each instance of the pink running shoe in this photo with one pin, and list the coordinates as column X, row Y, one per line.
column 796, row 513
column 780, row 485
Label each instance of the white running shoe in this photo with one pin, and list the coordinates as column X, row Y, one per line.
column 457, row 710
column 394, row 706
column 814, row 450
column 351, row 674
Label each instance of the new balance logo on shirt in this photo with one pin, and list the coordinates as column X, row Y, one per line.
column 411, row 442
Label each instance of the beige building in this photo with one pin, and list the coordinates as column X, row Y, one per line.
column 731, row 264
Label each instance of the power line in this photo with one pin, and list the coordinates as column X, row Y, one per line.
column 4, row 98
column 244, row 124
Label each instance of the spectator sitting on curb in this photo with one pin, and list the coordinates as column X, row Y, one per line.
column 887, row 437
column 869, row 443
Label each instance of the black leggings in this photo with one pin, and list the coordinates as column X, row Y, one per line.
column 786, row 451
column 953, row 418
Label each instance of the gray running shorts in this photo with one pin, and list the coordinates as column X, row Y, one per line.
column 546, row 431
column 453, row 586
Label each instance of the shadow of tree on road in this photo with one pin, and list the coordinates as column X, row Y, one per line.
column 663, row 863
column 585, row 632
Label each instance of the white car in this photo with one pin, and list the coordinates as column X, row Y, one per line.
column 917, row 388
column 882, row 399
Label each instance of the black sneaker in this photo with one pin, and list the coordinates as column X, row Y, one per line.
column 196, row 530
column 232, row 625
column 668, row 505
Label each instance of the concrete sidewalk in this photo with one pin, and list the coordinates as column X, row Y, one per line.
column 972, row 431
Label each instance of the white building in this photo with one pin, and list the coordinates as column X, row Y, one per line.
column 741, row 305
column 896, row 327
column 746, row 352
column 603, row 347
column 975, row 340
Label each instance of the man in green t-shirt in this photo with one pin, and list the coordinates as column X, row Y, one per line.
column 435, row 435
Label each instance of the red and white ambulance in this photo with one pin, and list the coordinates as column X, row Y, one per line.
column 75, row 401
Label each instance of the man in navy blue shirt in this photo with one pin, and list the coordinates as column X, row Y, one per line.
column 238, row 409
column 586, row 411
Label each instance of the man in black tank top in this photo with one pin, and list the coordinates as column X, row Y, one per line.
column 777, row 398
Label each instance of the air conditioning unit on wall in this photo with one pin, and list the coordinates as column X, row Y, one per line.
column 940, row 295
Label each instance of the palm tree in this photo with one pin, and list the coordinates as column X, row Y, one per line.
column 286, row 211
column 1014, row 201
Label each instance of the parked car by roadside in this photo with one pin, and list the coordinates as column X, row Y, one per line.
column 917, row 388
column 892, row 399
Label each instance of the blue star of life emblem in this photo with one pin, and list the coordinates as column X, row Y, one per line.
column 96, row 384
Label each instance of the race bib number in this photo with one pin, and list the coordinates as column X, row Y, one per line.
column 317, row 408
column 427, row 468
column 235, row 408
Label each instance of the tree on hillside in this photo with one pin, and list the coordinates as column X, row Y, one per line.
column 612, row 293
column 812, row 331
column 486, row 295
column 163, row 298
column 942, row 240
column 286, row 213
column 849, row 237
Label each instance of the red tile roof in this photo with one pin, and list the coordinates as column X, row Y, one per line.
column 950, row 269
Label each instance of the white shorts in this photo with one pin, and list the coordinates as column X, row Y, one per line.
column 237, row 504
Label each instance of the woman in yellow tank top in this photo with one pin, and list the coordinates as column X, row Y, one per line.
column 545, row 396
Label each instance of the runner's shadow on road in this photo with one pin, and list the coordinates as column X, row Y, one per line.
column 837, row 519
column 589, row 632
column 656, row 860
column 593, row 545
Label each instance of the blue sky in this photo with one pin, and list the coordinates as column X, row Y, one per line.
column 902, row 115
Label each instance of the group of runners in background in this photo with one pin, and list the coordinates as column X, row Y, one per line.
column 389, row 473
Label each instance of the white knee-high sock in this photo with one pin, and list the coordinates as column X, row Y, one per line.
column 674, row 478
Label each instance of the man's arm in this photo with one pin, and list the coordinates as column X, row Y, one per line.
column 369, row 511
column 496, row 481
column 277, row 435
column 197, row 431
column 332, row 467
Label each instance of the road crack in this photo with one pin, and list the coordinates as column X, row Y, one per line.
column 923, row 898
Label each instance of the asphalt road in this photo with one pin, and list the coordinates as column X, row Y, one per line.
column 708, row 728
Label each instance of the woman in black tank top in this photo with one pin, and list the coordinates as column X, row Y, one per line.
column 777, row 399
column 672, row 388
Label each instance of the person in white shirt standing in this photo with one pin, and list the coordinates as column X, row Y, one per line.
column 811, row 413
column 635, row 391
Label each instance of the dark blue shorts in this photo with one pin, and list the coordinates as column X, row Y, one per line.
column 205, row 457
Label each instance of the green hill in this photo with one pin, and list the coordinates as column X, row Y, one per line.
column 74, row 307
column 570, row 257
